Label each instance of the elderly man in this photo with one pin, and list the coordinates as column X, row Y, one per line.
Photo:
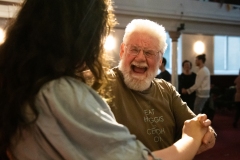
column 151, row 108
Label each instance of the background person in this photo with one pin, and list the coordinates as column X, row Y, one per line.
column 47, row 111
column 186, row 80
column 201, row 85
column 164, row 74
column 237, row 100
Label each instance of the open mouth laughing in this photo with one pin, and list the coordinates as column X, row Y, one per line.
column 139, row 68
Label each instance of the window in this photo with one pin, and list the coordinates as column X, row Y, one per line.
column 226, row 55
column 167, row 54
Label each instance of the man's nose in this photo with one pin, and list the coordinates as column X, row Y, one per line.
column 141, row 54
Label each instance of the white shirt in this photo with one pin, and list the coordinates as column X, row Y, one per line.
column 202, row 83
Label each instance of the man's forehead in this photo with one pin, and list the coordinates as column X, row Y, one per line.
column 143, row 39
column 143, row 34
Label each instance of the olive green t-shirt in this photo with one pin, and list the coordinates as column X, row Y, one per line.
column 155, row 116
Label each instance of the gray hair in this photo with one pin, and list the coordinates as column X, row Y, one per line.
column 150, row 27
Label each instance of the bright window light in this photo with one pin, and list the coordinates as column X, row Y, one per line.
column 2, row 35
column 199, row 47
column 110, row 43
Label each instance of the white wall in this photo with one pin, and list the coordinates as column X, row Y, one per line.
column 188, row 53
column 8, row 11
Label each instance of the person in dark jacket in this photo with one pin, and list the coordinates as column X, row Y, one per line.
column 186, row 80
column 164, row 74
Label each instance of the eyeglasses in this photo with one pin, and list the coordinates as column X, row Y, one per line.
column 134, row 51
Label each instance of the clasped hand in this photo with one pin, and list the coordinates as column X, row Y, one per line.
column 203, row 132
column 184, row 91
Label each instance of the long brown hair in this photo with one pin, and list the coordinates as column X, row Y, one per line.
column 48, row 39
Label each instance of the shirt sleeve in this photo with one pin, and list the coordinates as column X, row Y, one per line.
column 79, row 124
column 198, row 81
column 180, row 110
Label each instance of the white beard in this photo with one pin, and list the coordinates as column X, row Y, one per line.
column 135, row 82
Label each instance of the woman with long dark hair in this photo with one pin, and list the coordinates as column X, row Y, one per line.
column 48, row 40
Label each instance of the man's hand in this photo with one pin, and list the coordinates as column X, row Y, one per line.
column 208, row 140
column 184, row 91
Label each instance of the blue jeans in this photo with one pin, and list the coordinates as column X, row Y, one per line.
column 199, row 104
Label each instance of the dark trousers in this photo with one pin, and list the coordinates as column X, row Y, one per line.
column 237, row 115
